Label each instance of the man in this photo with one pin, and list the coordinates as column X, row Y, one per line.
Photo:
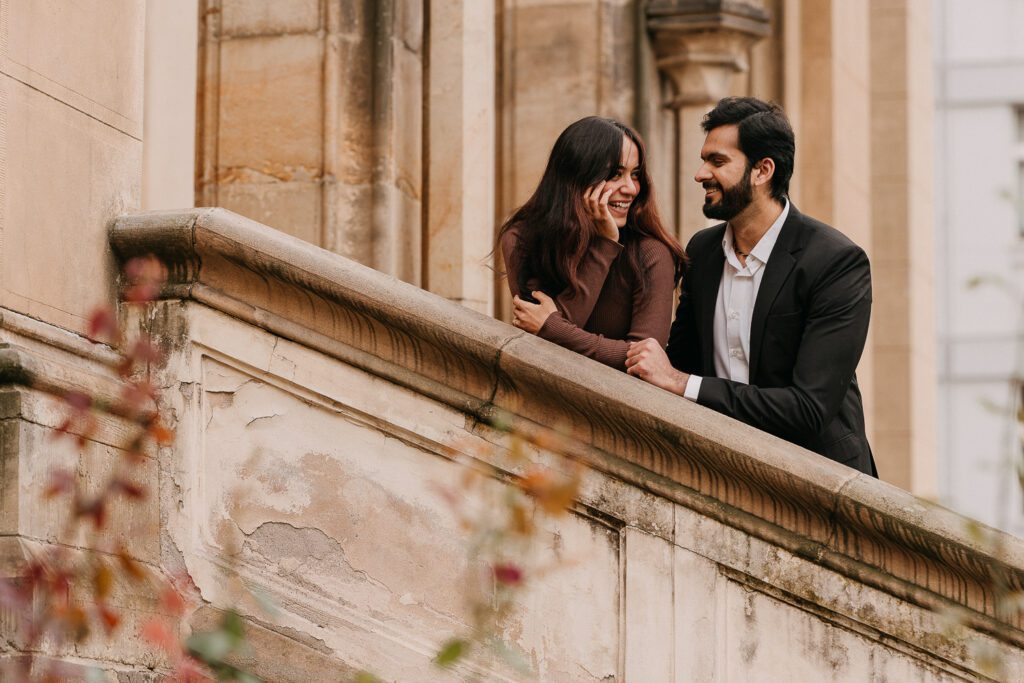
column 775, row 305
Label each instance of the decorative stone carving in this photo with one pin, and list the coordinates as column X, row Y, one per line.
column 700, row 44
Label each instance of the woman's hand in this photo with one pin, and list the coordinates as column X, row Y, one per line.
column 596, row 199
column 531, row 317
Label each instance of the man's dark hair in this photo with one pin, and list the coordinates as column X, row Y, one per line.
column 764, row 133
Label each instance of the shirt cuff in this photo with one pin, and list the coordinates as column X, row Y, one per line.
column 692, row 390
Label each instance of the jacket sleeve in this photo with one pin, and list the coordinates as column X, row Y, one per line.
column 828, row 351
column 683, row 341
column 651, row 314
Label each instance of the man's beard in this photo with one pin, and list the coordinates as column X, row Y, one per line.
column 733, row 201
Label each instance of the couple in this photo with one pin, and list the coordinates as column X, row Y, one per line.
column 774, row 308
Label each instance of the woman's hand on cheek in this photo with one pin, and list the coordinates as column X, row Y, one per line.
column 596, row 199
column 531, row 317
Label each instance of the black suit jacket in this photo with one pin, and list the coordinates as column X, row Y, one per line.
column 807, row 332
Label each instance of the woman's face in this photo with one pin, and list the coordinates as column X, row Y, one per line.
column 626, row 182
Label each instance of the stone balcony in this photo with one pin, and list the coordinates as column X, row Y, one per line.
column 315, row 401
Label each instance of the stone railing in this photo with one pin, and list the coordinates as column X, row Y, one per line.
column 313, row 397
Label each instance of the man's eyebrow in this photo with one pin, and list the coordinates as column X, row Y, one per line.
column 716, row 153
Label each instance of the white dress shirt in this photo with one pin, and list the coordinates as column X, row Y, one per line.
column 734, row 309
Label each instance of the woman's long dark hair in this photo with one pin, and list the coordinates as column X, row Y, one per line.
column 555, row 229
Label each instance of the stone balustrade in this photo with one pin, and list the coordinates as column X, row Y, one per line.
column 315, row 401
column 707, row 546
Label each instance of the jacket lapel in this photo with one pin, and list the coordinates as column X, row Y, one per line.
column 711, row 279
column 780, row 265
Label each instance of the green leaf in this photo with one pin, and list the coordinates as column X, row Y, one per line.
column 451, row 652
column 366, row 677
column 232, row 625
column 210, row 647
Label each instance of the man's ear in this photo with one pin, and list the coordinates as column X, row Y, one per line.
column 764, row 171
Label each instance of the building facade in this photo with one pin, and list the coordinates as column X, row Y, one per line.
column 979, row 155
column 334, row 337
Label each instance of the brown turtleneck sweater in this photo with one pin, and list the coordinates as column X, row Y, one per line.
column 607, row 312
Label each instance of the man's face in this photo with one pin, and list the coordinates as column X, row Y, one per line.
column 724, row 174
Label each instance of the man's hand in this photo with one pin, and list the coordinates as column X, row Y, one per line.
column 647, row 360
column 531, row 317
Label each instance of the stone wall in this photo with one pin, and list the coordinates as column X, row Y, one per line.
column 71, row 105
column 310, row 122
column 316, row 400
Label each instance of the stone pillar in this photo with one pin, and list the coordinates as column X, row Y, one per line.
column 831, row 65
column 311, row 122
column 699, row 46
column 169, row 124
column 397, row 138
column 902, row 244
column 460, row 161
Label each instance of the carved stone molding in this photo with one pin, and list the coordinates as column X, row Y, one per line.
column 700, row 44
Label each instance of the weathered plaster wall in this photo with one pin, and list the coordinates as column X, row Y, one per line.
column 316, row 401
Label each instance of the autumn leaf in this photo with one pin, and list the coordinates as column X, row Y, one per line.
column 171, row 600
column 158, row 633
column 95, row 509
column 133, row 569
column 109, row 618
column 521, row 522
column 61, row 481
column 129, row 489
column 78, row 401
column 102, row 581
column 144, row 276
column 553, row 494
column 103, row 325
column 508, row 574
column 161, row 434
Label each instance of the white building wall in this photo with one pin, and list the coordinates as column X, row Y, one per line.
column 980, row 251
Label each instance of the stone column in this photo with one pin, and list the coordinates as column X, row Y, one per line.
column 831, row 67
column 169, row 118
column 903, row 243
column 460, row 160
column 310, row 120
column 699, row 46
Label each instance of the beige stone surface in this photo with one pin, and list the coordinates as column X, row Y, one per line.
column 63, row 50
column 268, row 17
column 648, row 617
column 903, row 246
column 461, row 154
column 170, row 113
column 55, row 266
column 270, row 105
column 293, row 207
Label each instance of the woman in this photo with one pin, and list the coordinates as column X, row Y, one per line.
column 589, row 264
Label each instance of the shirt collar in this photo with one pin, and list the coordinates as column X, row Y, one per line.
column 762, row 251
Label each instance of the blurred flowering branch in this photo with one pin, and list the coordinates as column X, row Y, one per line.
column 65, row 595
column 504, row 522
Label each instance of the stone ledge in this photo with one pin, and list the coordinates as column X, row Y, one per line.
column 870, row 531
